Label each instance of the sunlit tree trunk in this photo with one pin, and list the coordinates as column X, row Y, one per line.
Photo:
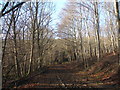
column 32, row 43
column 116, row 5
column 97, row 30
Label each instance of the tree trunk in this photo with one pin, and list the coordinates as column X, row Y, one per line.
column 98, row 30
column 15, row 49
column 118, row 22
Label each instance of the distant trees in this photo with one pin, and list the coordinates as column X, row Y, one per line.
column 28, row 39
column 88, row 31
column 68, row 29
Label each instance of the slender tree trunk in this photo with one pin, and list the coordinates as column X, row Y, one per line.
column 118, row 22
column 90, row 47
column 34, row 26
column 15, row 49
column 98, row 30
column 31, row 53
column 81, row 45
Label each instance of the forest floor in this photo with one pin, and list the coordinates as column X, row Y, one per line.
column 103, row 74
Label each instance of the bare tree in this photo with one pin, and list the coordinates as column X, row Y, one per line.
column 117, row 11
column 4, row 11
column 97, row 28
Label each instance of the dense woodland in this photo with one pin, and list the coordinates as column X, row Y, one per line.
column 86, row 32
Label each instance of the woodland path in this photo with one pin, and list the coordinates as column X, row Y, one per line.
column 60, row 75
column 64, row 76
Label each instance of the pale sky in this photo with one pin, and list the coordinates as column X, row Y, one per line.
column 59, row 5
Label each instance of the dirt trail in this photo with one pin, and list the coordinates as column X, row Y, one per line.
column 56, row 76
column 65, row 76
